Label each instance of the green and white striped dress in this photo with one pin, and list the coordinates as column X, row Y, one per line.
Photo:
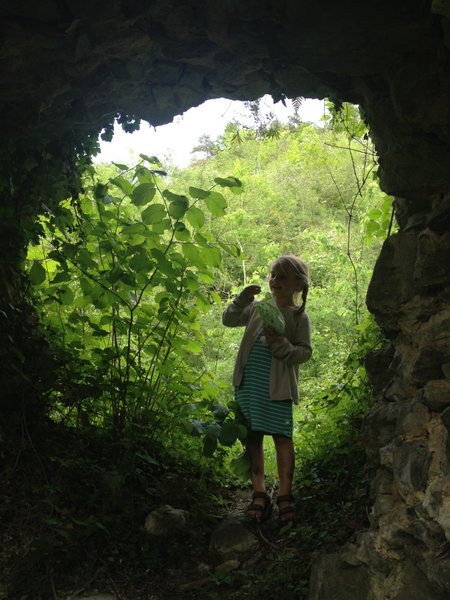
column 261, row 413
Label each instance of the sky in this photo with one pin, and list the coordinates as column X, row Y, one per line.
column 176, row 139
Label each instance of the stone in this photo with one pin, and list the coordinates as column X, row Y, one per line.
column 411, row 584
column 166, row 520
column 191, row 586
column 416, row 221
column 439, row 219
column 427, row 365
column 231, row 539
column 409, row 214
column 427, row 532
column 439, row 570
column 331, row 579
column 410, row 466
column 228, row 566
column 443, row 516
column 384, row 498
column 445, row 416
column 379, row 428
column 436, row 394
column 378, row 367
column 373, row 553
column 203, row 568
column 392, row 281
column 349, row 556
column 433, row 258
column 387, row 455
column 412, row 420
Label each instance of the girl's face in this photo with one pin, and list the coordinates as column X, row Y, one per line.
column 284, row 284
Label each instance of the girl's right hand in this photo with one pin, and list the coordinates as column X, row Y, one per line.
column 250, row 291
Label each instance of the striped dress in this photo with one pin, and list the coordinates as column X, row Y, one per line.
column 261, row 413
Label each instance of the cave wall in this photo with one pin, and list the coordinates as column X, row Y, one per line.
column 405, row 555
column 69, row 67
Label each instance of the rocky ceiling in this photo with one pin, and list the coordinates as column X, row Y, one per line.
column 69, row 66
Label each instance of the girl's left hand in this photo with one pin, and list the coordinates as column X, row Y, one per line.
column 271, row 336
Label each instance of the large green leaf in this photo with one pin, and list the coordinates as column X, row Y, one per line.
column 141, row 262
column 37, row 273
column 144, row 175
column 69, row 250
column 229, row 181
column 193, row 346
column 199, row 193
column 164, row 225
column 163, row 264
column 151, row 159
column 121, row 167
column 211, row 256
column 123, row 184
column 87, row 288
column 178, row 204
column 205, row 277
column 133, row 229
column 62, row 277
column 202, row 302
column 154, row 213
column 229, row 433
column 240, row 466
column 86, row 259
column 127, row 279
column 216, row 204
column 215, row 297
column 195, row 217
column 114, row 274
column 191, row 283
column 232, row 249
column 193, row 255
column 65, row 295
column 137, row 240
column 181, row 232
column 143, row 194
column 209, row 446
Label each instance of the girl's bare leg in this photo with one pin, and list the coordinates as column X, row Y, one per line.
column 285, row 462
column 255, row 452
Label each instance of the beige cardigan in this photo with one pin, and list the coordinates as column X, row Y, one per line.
column 287, row 354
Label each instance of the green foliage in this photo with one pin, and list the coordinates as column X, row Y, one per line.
column 326, row 416
column 122, row 277
column 310, row 191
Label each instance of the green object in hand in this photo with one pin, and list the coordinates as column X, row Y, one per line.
column 270, row 314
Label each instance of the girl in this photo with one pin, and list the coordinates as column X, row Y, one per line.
column 266, row 378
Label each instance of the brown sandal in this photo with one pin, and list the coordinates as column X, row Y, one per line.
column 264, row 510
column 286, row 510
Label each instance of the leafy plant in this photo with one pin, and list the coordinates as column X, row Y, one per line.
column 123, row 275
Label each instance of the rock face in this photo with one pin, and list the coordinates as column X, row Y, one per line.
column 405, row 554
column 68, row 68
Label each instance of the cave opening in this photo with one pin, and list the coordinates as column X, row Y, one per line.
column 70, row 68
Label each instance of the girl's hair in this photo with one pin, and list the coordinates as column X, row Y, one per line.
column 293, row 264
